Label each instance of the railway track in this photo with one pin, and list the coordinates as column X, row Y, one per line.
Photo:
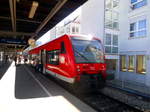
column 97, row 100
column 104, row 103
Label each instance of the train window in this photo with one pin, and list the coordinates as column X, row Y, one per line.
column 53, row 57
column 88, row 51
column 63, row 49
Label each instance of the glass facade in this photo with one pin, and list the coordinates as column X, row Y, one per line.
column 111, row 14
column 111, row 4
column 112, row 23
column 115, row 40
column 111, row 20
column 111, row 43
column 108, row 39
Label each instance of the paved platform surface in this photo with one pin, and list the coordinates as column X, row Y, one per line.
column 24, row 90
column 3, row 68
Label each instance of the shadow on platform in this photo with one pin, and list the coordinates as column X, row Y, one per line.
column 25, row 85
column 3, row 68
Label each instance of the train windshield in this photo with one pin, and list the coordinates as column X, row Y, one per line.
column 88, row 51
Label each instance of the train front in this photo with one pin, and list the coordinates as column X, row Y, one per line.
column 89, row 59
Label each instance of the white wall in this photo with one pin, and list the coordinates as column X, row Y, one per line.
column 126, row 17
column 92, row 18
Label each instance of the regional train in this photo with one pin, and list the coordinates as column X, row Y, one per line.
column 73, row 59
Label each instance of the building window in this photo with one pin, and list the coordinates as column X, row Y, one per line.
column 138, row 29
column 114, row 49
column 108, row 39
column 111, row 14
column 141, row 64
column 68, row 30
column 111, row 19
column 107, row 49
column 131, row 64
column 138, row 3
column 111, row 43
column 77, row 29
column 73, row 29
column 115, row 40
column 110, row 4
column 123, row 65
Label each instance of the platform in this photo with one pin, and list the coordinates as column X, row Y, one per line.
column 25, row 90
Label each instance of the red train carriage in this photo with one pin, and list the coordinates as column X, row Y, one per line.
column 73, row 58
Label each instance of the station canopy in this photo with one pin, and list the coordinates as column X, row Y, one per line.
column 21, row 20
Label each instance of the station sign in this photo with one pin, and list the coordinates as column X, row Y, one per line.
column 31, row 42
column 12, row 41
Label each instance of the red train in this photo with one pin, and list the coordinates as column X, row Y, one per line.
column 73, row 59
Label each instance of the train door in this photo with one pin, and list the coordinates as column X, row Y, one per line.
column 43, row 60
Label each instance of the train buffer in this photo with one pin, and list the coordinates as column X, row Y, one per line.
column 23, row 89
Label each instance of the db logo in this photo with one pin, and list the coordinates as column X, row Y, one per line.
column 62, row 59
column 92, row 68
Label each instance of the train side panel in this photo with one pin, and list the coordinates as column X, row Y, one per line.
column 60, row 62
column 65, row 68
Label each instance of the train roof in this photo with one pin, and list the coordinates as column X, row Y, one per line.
column 87, row 37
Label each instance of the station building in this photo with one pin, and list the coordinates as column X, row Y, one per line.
column 123, row 27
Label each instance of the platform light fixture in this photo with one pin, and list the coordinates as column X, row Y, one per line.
column 33, row 9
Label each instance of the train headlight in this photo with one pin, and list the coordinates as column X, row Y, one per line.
column 62, row 59
column 78, row 67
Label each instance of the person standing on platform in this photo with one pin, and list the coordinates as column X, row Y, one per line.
column 15, row 59
column 6, row 58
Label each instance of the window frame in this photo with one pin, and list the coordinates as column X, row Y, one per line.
column 137, row 65
column 136, row 29
column 111, row 46
column 131, row 69
column 111, row 19
column 123, row 68
column 138, row 2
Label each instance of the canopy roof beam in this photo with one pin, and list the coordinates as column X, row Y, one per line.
column 57, row 7
column 12, row 5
